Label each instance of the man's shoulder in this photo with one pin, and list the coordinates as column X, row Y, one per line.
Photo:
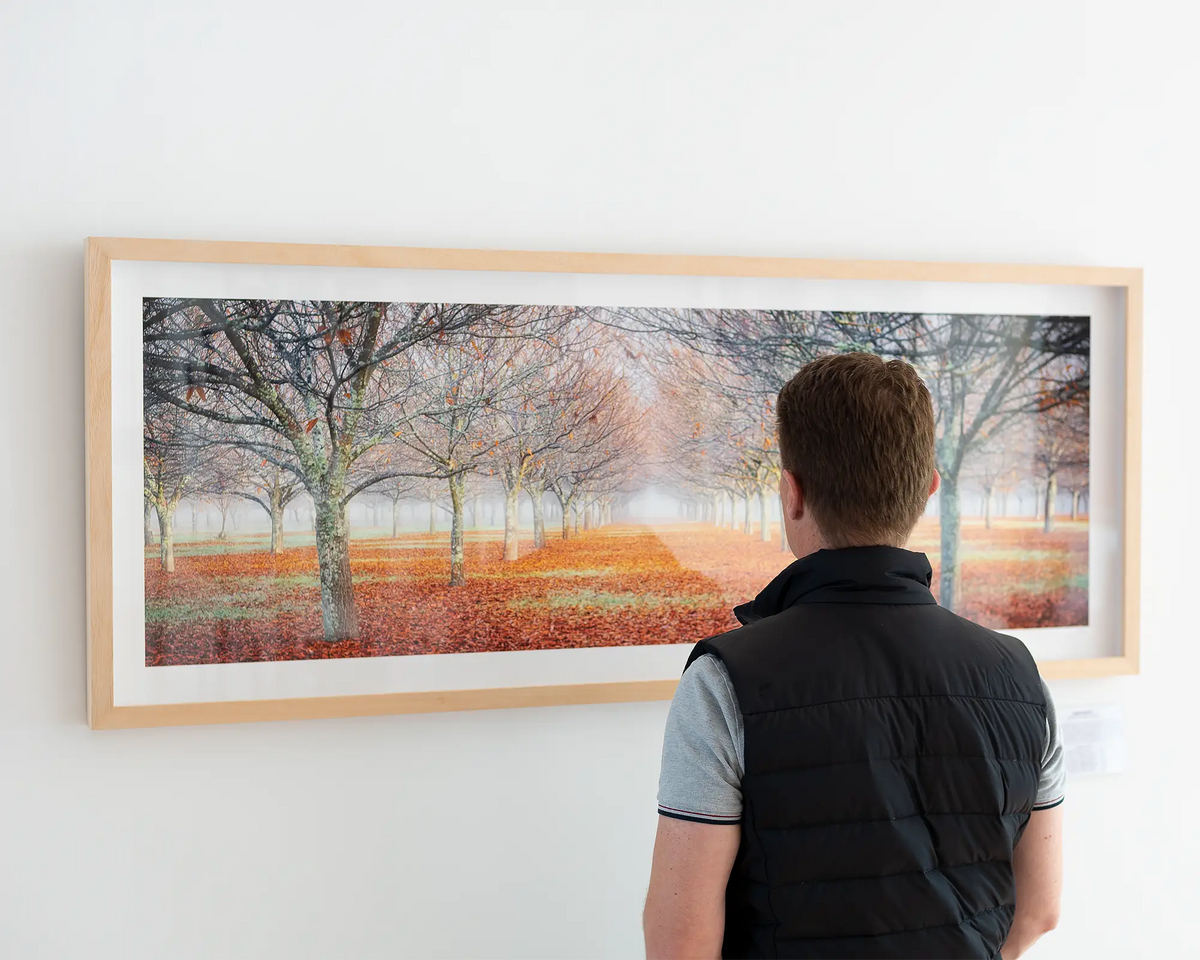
column 821, row 641
column 1011, row 649
column 744, row 639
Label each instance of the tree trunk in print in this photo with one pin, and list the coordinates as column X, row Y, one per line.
column 987, row 507
column 166, row 537
column 338, row 613
column 195, row 518
column 566, row 521
column 395, row 518
column 718, row 510
column 732, row 512
column 746, row 525
column 277, row 533
column 148, row 533
column 765, row 533
column 575, row 510
column 433, row 516
column 224, row 517
column 276, row 521
column 1051, row 496
column 476, row 509
column 1074, row 504
column 510, row 521
column 458, row 574
column 587, row 516
column 536, row 490
column 949, row 590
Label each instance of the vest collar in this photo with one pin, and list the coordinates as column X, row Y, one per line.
column 850, row 575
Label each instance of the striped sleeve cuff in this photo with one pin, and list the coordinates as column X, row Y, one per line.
column 696, row 817
column 1049, row 804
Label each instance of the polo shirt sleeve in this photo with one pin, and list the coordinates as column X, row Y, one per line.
column 702, row 761
column 1053, row 781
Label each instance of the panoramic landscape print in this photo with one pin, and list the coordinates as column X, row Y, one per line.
column 328, row 479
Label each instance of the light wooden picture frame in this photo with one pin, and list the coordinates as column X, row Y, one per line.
column 123, row 276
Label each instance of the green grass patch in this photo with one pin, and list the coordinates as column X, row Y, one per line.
column 290, row 581
column 411, row 544
column 603, row 600
column 565, row 574
column 247, row 544
column 182, row 611
column 1078, row 582
column 975, row 552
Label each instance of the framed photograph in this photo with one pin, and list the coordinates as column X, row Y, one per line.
column 331, row 481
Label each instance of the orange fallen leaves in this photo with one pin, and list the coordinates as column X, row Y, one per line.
column 619, row 586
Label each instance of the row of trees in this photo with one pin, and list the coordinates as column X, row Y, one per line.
column 1004, row 388
column 214, row 508
column 275, row 399
column 280, row 401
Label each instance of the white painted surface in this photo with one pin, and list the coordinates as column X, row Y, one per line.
column 1094, row 740
column 1045, row 132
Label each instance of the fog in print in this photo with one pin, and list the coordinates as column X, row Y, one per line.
column 355, row 479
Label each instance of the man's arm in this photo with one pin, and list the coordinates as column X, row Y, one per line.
column 1037, row 866
column 685, row 908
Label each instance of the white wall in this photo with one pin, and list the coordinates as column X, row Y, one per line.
column 1052, row 132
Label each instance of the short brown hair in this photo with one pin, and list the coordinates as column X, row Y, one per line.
column 858, row 434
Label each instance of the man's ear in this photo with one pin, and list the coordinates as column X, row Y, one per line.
column 936, row 484
column 791, row 495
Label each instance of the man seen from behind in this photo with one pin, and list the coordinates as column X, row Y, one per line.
column 856, row 771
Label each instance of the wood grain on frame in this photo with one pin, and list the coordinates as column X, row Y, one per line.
column 101, row 251
column 97, row 394
column 381, row 704
column 1131, row 516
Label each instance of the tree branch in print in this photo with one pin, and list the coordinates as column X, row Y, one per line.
column 283, row 403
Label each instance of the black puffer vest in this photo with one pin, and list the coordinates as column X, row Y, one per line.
column 892, row 756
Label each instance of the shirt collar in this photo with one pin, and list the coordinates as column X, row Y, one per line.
column 849, row 575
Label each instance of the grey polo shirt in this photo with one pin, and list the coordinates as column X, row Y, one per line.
column 703, row 750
